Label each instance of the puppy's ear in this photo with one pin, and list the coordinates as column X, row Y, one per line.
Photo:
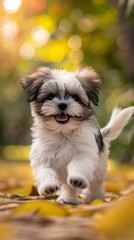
column 91, row 83
column 32, row 83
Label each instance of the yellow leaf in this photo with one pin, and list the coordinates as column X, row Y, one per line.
column 26, row 191
column 81, row 212
column 130, row 175
column 111, row 165
column 87, row 210
column 42, row 207
column 97, row 202
column 118, row 222
column 98, row 216
column 6, row 232
column 113, row 187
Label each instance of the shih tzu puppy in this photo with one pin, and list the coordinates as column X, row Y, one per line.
column 69, row 151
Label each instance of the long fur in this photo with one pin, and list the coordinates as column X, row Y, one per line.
column 119, row 119
column 69, row 151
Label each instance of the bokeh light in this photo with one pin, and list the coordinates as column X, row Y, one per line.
column 123, row 42
column 76, row 15
column 75, row 42
column 27, row 51
column 11, row 6
column 68, row 36
column 10, row 29
column 76, row 56
column 65, row 25
column 40, row 35
column 87, row 24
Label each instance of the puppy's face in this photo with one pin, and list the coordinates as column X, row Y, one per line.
column 60, row 99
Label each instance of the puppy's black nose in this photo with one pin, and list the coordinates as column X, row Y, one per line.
column 62, row 106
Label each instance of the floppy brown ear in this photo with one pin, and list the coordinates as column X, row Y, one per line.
column 91, row 83
column 31, row 83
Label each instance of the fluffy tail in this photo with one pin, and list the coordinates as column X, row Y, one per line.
column 118, row 121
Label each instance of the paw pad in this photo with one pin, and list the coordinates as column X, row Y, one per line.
column 51, row 189
column 46, row 189
column 78, row 183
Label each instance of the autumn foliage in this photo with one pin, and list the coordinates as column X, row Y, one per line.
column 67, row 35
column 22, row 208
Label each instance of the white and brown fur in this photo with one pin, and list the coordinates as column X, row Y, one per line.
column 69, row 151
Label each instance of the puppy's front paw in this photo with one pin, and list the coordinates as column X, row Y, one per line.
column 87, row 198
column 77, row 182
column 46, row 189
column 67, row 199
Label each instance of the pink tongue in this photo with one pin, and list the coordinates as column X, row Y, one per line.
column 62, row 117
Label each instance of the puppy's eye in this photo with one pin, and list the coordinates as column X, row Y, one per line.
column 76, row 98
column 50, row 97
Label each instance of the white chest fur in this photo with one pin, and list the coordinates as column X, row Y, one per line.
column 50, row 148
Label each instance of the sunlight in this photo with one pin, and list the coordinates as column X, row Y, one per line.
column 76, row 56
column 65, row 25
column 87, row 24
column 10, row 30
column 11, row 6
column 27, row 51
column 40, row 35
column 75, row 42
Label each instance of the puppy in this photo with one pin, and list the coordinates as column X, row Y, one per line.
column 69, row 151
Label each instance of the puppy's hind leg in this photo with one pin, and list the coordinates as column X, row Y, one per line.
column 67, row 195
column 95, row 191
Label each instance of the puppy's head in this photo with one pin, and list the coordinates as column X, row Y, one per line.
column 60, row 99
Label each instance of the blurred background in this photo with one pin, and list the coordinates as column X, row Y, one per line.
column 65, row 34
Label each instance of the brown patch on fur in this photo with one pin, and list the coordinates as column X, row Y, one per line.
column 31, row 83
column 99, row 141
column 91, row 83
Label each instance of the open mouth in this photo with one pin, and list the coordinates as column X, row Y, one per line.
column 62, row 118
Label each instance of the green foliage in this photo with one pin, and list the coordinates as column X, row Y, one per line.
column 76, row 34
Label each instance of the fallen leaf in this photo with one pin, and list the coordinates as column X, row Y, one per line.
column 89, row 210
column 113, row 187
column 6, row 232
column 97, row 201
column 41, row 207
column 118, row 221
column 81, row 212
column 33, row 219
column 26, row 191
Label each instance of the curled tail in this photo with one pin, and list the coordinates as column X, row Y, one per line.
column 119, row 119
